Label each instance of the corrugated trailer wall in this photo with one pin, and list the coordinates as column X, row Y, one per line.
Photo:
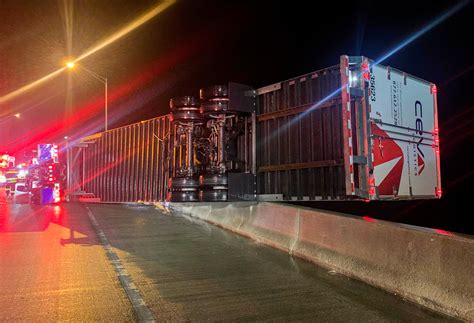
column 313, row 140
column 300, row 140
column 130, row 163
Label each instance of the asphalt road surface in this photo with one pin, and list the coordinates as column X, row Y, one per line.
column 53, row 267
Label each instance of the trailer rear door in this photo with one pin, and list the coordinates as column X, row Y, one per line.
column 404, row 135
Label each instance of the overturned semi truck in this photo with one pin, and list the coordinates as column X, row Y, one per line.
column 356, row 130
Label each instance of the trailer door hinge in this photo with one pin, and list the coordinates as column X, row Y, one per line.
column 361, row 160
column 356, row 92
column 362, row 193
column 353, row 60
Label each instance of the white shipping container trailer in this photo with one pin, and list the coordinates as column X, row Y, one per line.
column 353, row 131
column 357, row 130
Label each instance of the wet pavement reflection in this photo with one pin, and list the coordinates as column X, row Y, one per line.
column 52, row 267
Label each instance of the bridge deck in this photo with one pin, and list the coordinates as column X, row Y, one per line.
column 190, row 270
column 184, row 269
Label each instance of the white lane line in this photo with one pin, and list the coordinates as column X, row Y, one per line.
column 139, row 306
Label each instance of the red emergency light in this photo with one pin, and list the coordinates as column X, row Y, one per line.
column 368, row 219
column 57, row 193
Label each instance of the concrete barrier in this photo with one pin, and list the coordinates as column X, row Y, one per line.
column 431, row 267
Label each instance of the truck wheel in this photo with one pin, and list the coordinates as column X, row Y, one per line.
column 178, row 184
column 184, row 101
column 213, row 181
column 213, row 196
column 215, row 106
column 183, row 197
column 214, row 92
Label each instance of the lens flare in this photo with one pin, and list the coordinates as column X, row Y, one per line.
column 441, row 18
column 128, row 28
column 114, row 37
column 30, row 86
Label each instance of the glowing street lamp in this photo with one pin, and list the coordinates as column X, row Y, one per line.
column 10, row 116
column 4, row 127
column 70, row 65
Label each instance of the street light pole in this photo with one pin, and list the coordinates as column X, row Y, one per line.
column 106, row 107
column 101, row 78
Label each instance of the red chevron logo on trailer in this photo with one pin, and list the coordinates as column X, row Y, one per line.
column 421, row 164
column 388, row 162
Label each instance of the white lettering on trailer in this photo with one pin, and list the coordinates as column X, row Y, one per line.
column 396, row 102
column 372, row 86
column 402, row 125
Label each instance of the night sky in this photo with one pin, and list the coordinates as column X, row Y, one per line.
column 198, row 43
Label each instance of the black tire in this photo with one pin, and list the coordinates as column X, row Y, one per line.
column 213, row 196
column 213, row 181
column 214, row 92
column 178, row 184
column 186, row 116
column 184, row 101
column 217, row 106
column 183, row 197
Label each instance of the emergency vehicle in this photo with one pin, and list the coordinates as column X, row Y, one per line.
column 43, row 177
